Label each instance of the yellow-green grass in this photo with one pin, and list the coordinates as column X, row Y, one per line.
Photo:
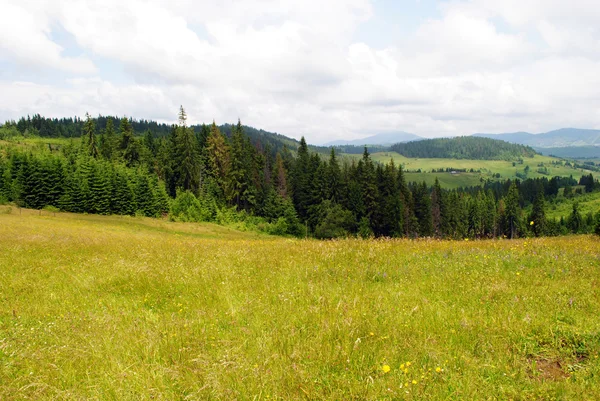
column 488, row 168
column 107, row 308
column 588, row 203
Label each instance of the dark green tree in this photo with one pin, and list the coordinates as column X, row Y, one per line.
column 537, row 218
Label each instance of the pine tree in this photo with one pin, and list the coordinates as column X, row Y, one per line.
column 187, row 159
column 512, row 210
column 389, row 212
column 489, row 215
column 218, row 158
column 5, row 181
column 182, row 117
column 437, row 206
column 108, row 145
column 237, row 182
column 280, row 175
column 334, row 179
column 122, row 200
column 301, row 180
column 129, row 146
column 100, row 189
column 537, row 218
column 575, row 220
column 89, row 130
column 368, row 183
column 422, row 204
column 145, row 202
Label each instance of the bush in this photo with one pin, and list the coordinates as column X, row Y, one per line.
column 334, row 221
column 187, row 208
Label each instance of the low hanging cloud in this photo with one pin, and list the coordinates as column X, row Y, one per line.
column 299, row 68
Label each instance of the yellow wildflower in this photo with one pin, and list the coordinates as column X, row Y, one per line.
column 385, row 368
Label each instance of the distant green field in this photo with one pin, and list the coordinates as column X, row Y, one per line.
column 121, row 308
column 488, row 168
column 588, row 203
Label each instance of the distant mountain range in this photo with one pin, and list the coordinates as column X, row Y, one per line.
column 388, row 138
column 565, row 142
column 565, row 137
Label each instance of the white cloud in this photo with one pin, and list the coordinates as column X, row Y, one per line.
column 292, row 66
column 24, row 36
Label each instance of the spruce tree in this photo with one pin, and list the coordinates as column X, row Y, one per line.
column 575, row 220
column 187, row 159
column 89, row 130
column 145, row 201
column 368, row 183
column 422, row 205
column 301, row 180
column 122, row 201
column 280, row 177
column 512, row 211
column 218, row 158
column 537, row 218
column 129, row 146
column 437, row 208
column 237, row 182
column 334, row 179
column 108, row 145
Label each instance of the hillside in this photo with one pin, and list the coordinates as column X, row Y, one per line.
column 38, row 125
column 389, row 138
column 572, row 152
column 98, row 308
column 463, row 148
column 558, row 142
column 457, row 173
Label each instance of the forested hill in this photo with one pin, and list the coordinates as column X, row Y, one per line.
column 465, row 147
column 72, row 127
column 210, row 177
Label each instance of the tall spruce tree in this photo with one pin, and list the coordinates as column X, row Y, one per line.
column 89, row 129
column 187, row 157
column 512, row 211
column 537, row 218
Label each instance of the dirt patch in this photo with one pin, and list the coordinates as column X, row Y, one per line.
column 544, row 369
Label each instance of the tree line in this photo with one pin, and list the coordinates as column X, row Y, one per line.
column 466, row 147
column 209, row 176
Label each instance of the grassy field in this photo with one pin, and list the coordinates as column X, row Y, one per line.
column 115, row 308
column 564, row 207
column 488, row 168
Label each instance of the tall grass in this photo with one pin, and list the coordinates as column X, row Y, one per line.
column 112, row 308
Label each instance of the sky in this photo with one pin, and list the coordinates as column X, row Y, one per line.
column 323, row 69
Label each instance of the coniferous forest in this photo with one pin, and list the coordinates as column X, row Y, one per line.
column 208, row 174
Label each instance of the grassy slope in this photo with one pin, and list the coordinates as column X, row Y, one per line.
column 131, row 309
column 488, row 167
column 564, row 207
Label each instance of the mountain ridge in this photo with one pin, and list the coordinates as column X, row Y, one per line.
column 560, row 138
column 386, row 138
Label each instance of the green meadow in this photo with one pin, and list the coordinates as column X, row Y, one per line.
column 588, row 203
column 484, row 169
column 124, row 308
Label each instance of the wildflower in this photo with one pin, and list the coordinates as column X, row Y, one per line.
column 402, row 367
column 414, row 382
column 385, row 368
column 532, row 223
column 371, row 334
column 438, row 369
column 407, row 364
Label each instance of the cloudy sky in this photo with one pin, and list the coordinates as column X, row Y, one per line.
column 325, row 69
